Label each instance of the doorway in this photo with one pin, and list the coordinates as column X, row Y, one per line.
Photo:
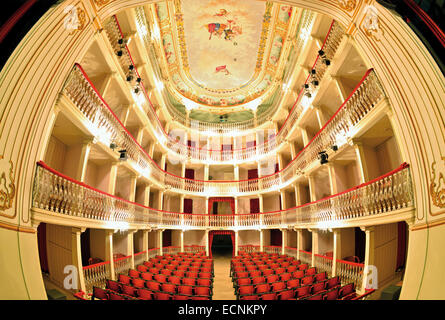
column 221, row 244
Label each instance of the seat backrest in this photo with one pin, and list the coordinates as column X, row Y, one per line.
column 162, row 296
column 189, row 281
column 267, row 272
column 332, row 282
column 273, row 278
column 243, row 281
column 263, row 287
column 280, row 270
column 293, row 283
column 278, row 286
column 311, row 271
column 138, row 283
column 134, row 273
column 286, row 295
column 331, row 294
column 318, row 296
column 147, row 275
column 269, row 296
column 144, row 294
column 191, row 274
column 257, row 280
column 247, row 289
column 129, row 290
column 181, row 297
column 302, row 291
column 168, row 287
column 307, row 280
column 185, row 289
column 113, row 285
column 166, row 272
column 320, row 276
column 179, row 273
column 317, row 287
column 174, row 279
column 116, row 296
column 205, row 275
column 303, row 266
column 202, row 291
column 250, row 297
column 153, row 285
column 99, row 293
column 141, row 268
column 347, row 289
column 298, row 274
column 204, row 282
column 124, row 279
column 243, row 274
column 255, row 273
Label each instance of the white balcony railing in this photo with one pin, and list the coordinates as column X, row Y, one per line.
column 107, row 128
column 330, row 46
column 56, row 193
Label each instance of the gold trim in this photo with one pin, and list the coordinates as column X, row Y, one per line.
column 17, row 228
column 428, row 225
column 437, row 195
column 7, row 195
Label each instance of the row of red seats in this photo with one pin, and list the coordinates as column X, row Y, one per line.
column 266, row 270
column 164, row 273
column 206, row 280
column 170, row 268
column 285, row 277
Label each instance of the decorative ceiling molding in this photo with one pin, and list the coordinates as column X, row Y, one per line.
column 176, row 42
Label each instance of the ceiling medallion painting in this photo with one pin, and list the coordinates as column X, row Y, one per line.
column 222, row 52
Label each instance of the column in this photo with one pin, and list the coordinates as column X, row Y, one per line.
column 181, row 235
column 322, row 119
column 261, row 240
column 313, row 195
column 83, row 160
column 361, row 159
column 145, row 243
column 139, row 135
column 260, row 198
column 147, row 196
column 369, row 276
column 284, row 241
column 236, row 242
column 207, row 243
column 113, row 177
column 103, row 87
column 314, row 245
column 332, row 178
column 76, row 251
column 109, row 251
column 130, row 246
column 337, row 250
column 160, row 241
column 124, row 114
column 299, row 242
column 132, row 186
column 298, row 200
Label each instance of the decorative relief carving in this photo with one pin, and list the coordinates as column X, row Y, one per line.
column 101, row 3
column 7, row 186
column 371, row 23
column 437, row 185
column 75, row 20
column 347, row 5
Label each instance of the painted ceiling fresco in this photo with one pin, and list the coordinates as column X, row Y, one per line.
column 222, row 52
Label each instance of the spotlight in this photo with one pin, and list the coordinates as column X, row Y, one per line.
column 119, row 53
column 323, row 157
column 136, row 90
column 129, row 78
column 327, row 62
column 123, row 155
column 313, row 71
column 308, row 94
column 320, row 53
column 306, row 86
column 120, row 41
column 138, row 80
column 334, row 147
column 131, row 67
column 113, row 146
column 315, row 83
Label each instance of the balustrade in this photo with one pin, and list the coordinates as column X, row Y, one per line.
column 96, row 275
column 122, row 265
column 60, row 194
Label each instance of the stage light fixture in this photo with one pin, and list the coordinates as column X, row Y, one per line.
column 123, row 155
column 323, row 156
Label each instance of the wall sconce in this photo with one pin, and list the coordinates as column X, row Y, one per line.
column 323, row 156
column 334, row 147
column 322, row 55
column 113, row 146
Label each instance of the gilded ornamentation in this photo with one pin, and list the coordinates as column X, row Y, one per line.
column 75, row 20
column 437, row 186
column 347, row 5
column 101, row 3
column 371, row 23
column 7, row 187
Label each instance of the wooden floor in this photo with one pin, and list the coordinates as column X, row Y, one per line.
column 222, row 282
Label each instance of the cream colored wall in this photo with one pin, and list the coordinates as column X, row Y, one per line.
column 138, row 244
column 194, row 237
column 271, row 202
column 152, row 240
column 97, row 244
column 249, row 237
column 385, row 251
column 59, row 251
column 292, row 239
column 325, row 242
column 243, row 205
column 120, row 241
column 347, row 243
column 55, row 155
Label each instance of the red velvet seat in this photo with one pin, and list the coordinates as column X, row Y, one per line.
column 303, row 266
column 166, row 272
column 160, row 278
column 311, row 271
column 286, row 295
column 191, row 274
column 298, row 274
column 280, row 270
column 179, row 273
column 318, row 296
column 346, row 290
column 202, row 291
column 144, row 294
column 307, row 280
column 205, row 275
column 269, row 296
column 154, row 270
column 278, row 286
column 99, row 293
column 129, row 290
column 332, row 282
column 204, row 282
column 147, row 275
column 250, row 297
column 113, row 285
column 243, row 274
column 331, row 294
column 268, row 272
column 141, row 268
column 258, row 280
column 293, row 283
column 246, row 290
column 168, row 287
column 189, row 281
column 124, row 279
column 153, row 285
column 148, row 264
column 161, row 296
column 134, row 273
column 243, row 281
column 115, row 296
column 187, row 290
column 318, row 287
column 262, row 288
column 292, row 268
column 138, row 283
column 320, row 276
column 181, row 297
column 256, row 273
column 285, row 276
column 174, row 280
column 272, row 278
column 302, row 292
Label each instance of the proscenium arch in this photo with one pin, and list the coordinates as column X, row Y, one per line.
column 34, row 74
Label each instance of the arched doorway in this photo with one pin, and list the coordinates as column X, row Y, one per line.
column 222, row 243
